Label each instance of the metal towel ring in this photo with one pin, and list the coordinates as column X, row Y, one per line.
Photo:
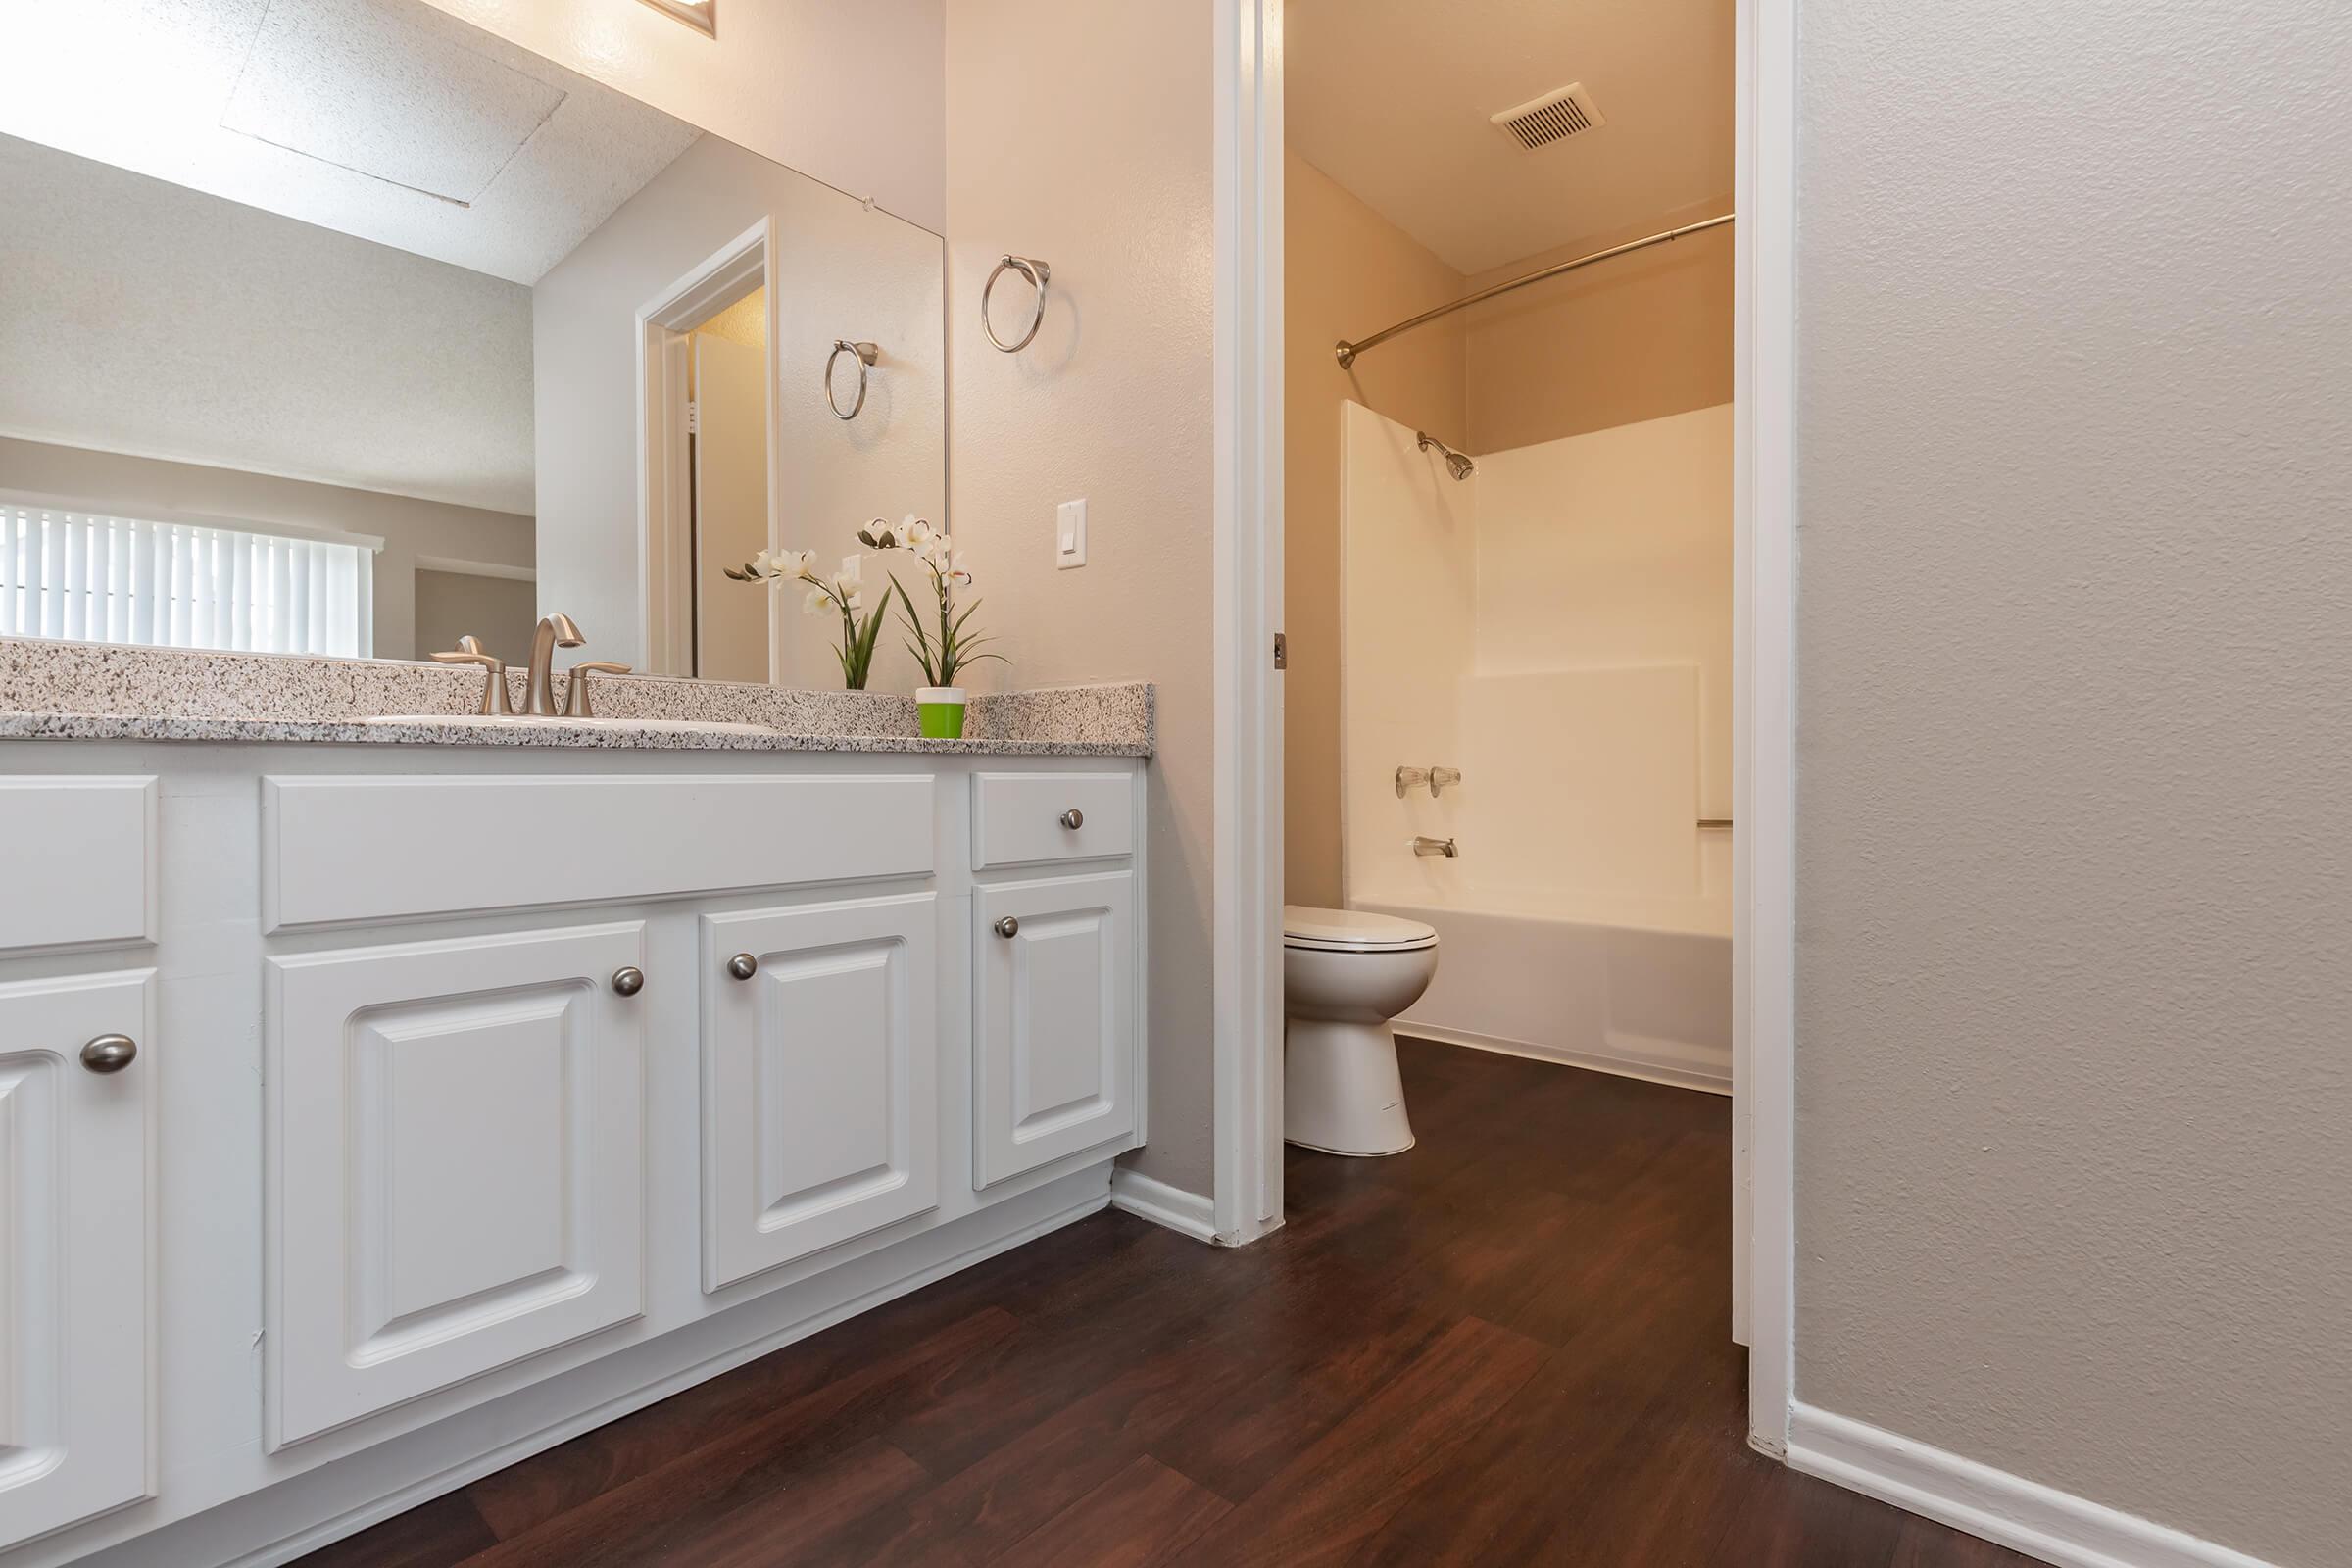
column 866, row 354
column 1037, row 273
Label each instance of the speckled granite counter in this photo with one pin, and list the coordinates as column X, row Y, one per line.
column 86, row 691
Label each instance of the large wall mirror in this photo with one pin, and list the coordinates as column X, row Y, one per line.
column 342, row 326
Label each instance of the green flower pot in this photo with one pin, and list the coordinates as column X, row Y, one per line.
column 939, row 711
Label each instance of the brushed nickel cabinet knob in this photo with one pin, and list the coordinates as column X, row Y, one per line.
column 628, row 980
column 1073, row 820
column 742, row 967
column 1009, row 927
column 109, row 1052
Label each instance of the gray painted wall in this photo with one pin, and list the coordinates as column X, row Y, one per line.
column 2073, row 1111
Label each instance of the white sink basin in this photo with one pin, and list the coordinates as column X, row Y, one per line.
column 688, row 726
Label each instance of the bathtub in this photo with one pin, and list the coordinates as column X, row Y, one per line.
column 1634, row 986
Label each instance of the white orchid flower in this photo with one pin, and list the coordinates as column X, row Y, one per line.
column 915, row 535
column 793, row 565
column 759, row 564
column 953, row 571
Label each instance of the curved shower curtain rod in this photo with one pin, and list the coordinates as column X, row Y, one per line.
column 1348, row 351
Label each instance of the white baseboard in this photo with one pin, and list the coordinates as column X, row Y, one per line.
column 1139, row 1195
column 2024, row 1515
column 1660, row 1069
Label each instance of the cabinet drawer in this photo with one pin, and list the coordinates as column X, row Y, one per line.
column 341, row 850
column 454, row 1148
column 1024, row 819
column 78, row 862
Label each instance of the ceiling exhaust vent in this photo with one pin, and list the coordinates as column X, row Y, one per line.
column 1554, row 116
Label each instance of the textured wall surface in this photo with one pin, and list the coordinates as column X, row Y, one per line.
column 2074, row 1176
column 1638, row 337
column 1351, row 273
column 1080, row 133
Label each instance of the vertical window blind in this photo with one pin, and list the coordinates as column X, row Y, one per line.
column 98, row 578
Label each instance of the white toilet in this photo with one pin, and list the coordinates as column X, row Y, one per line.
column 1345, row 975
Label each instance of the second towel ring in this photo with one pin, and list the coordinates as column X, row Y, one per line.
column 865, row 353
column 1037, row 273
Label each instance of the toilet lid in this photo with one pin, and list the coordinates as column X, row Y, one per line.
column 1352, row 930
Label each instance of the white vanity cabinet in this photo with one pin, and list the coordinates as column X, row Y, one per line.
column 455, row 1162
column 1053, row 1034
column 484, row 1094
column 820, row 1053
column 76, row 1217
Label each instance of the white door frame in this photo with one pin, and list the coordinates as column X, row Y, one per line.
column 1246, row 951
column 664, row 555
column 1248, row 858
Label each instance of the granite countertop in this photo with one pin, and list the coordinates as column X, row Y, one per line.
column 616, row 734
column 61, row 691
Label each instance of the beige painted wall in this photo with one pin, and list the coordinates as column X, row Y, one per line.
column 501, row 610
column 408, row 526
column 1350, row 272
column 2074, row 1183
column 1637, row 337
column 847, row 93
column 1080, row 133
column 838, row 270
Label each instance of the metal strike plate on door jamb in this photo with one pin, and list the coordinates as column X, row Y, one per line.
column 1282, row 651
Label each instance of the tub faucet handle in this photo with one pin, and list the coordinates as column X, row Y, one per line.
column 1410, row 778
column 1441, row 777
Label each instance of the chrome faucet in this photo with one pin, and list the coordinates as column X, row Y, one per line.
column 555, row 630
column 1423, row 844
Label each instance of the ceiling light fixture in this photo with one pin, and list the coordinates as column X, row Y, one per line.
column 700, row 15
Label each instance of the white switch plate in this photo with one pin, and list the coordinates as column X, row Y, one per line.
column 1070, row 534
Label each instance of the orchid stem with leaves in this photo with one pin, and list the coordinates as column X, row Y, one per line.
column 843, row 593
column 944, row 658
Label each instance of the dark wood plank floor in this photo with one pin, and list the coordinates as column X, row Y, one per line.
column 1507, row 1346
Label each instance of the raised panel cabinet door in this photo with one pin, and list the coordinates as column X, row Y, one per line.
column 1053, row 1036
column 820, row 1078
column 456, row 1171
column 76, row 1226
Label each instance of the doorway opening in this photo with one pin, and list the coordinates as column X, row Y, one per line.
column 708, row 350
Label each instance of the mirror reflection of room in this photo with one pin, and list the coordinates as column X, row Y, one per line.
column 324, row 331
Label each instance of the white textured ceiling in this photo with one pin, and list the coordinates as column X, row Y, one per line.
column 382, row 118
column 140, row 317
column 1391, row 99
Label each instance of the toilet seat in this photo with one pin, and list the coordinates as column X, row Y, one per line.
column 1352, row 931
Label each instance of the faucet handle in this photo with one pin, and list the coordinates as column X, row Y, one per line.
column 1441, row 777
column 575, row 699
column 494, row 672
column 1410, row 778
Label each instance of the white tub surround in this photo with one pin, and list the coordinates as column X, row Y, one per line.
column 1556, row 629
column 476, row 1095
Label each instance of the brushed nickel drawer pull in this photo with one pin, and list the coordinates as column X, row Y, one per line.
column 628, row 980
column 1073, row 820
column 109, row 1052
column 742, row 967
column 1009, row 927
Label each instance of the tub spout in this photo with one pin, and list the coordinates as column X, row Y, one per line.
column 1423, row 844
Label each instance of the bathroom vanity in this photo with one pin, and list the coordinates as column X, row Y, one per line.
column 376, row 1111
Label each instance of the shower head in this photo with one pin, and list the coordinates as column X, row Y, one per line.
column 1457, row 464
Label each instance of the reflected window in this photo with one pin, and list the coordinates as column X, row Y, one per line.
column 92, row 577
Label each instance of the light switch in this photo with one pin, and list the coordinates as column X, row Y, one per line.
column 1070, row 534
